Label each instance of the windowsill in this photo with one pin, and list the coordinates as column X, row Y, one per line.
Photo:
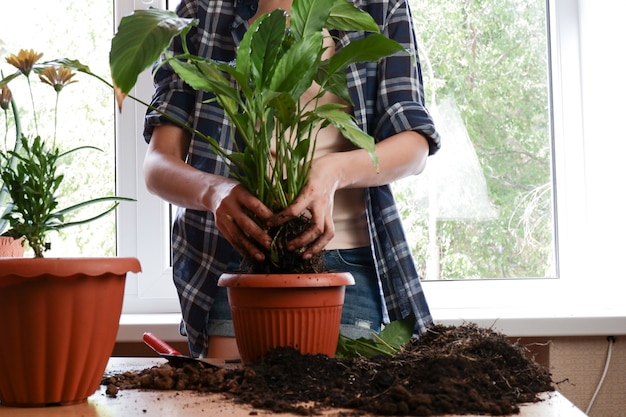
column 509, row 322
column 529, row 307
column 537, row 325
column 515, row 307
column 133, row 326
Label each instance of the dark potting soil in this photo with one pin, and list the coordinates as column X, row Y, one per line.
column 280, row 259
column 448, row 370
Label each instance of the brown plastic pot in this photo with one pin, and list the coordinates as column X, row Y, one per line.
column 11, row 248
column 60, row 319
column 296, row 310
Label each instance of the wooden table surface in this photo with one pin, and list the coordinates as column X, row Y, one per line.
column 131, row 403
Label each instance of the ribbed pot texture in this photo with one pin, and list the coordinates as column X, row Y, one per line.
column 295, row 310
column 60, row 319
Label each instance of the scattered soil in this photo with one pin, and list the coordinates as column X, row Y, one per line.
column 448, row 370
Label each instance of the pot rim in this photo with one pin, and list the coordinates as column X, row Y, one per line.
column 325, row 279
column 25, row 268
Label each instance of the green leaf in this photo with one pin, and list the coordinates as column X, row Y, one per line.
column 72, row 64
column 266, row 47
column 309, row 17
column 301, row 150
column 6, row 80
column 242, row 60
column 285, row 107
column 141, row 38
column 398, row 332
column 352, row 348
column 207, row 76
column 84, row 147
column 332, row 72
column 345, row 16
column 348, row 127
column 387, row 342
column 296, row 69
column 82, row 204
column 335, row 83
column 369, row 49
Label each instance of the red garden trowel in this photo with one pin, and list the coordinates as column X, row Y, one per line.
column 172, row 355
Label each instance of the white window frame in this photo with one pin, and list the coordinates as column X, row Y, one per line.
column 589, row 148
column 583, row 300
column 142, row 226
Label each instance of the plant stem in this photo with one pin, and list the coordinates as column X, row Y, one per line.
column 32, row 102
column 56, row 116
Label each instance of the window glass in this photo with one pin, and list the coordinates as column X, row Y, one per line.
column 484, row 206
column 78, row 30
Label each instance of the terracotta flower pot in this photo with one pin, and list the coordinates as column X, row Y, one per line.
column 11, row 248
column 60, row 319
column 300, row 311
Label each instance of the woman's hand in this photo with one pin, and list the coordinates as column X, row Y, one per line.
column 237, row 216
column 168, row 176
column 399, row 156
column 315, row 200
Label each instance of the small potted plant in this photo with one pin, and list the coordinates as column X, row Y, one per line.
column 61, row 315
column 262, row 92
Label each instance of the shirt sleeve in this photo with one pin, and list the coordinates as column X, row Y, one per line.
column 400, row 104
column 171, row 95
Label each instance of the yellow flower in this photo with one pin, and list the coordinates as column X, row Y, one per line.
column 5, row 97
column 57, row 77
column 24, row 60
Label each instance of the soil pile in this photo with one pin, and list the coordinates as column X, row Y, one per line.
column 449, row 370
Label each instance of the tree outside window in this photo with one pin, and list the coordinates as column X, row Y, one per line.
column 484, row 206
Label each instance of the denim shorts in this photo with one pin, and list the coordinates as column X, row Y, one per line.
column 362, row 310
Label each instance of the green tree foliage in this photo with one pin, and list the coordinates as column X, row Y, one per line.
column 491, row 58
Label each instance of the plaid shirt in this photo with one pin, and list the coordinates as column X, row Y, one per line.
column 388, row 98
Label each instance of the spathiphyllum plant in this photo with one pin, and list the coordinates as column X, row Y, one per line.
column 279, row 58
column 29, row 165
